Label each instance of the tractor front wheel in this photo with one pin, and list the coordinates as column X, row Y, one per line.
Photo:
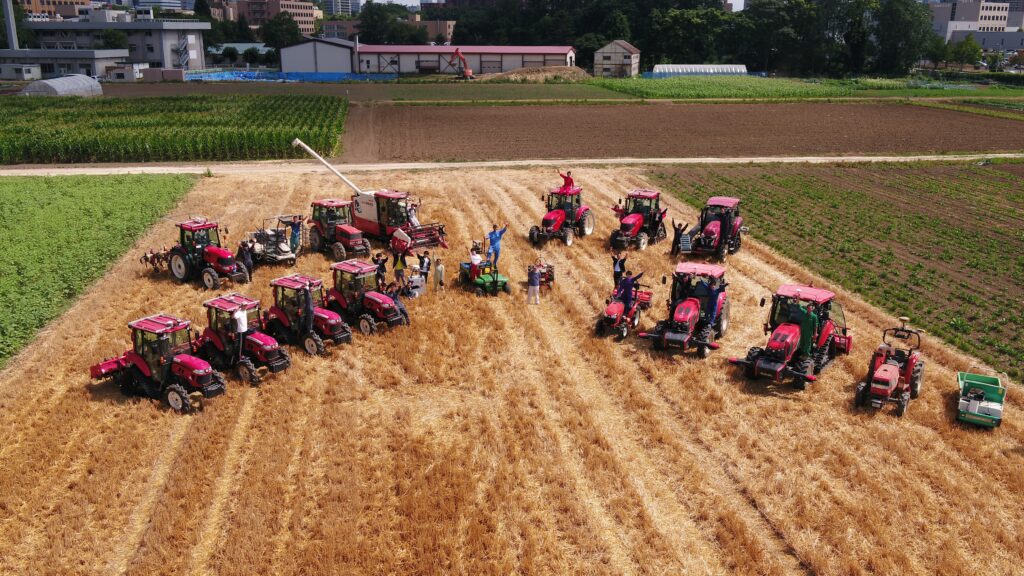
column 801, row 368
column 662, row 233
column 534, row 235
column 316, row 241
column 177, row 399
column 338, row 251
column 737, row 243
column 506, row 288
column 569, row 236
column 623, row 331
column 587, row 228
column 180, row 269
column 313, row 345
column 641, row 241
column 210, row 279
column 901, row 406
column 367, row 325
column 915, row 379
column 478, row 291
column 247, row 371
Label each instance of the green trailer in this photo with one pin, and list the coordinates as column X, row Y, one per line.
column 487, row 281
column 981, row 399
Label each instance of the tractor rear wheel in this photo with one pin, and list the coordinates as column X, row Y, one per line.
column 915, row 379
column 736, row 243
column 367, row 325
column 636, row 318
column 129, row 382
column 568, row 237
column 599, row 327
column 246, row 275
column 316, row 241
column 180, row 268
column 210, row 279
column 641, row 241
column 177, row 399
column 313, row 345
column 706, row 335
column 723, row 320
column 247, row 371
column 534, row 235
column 287, row 358
column 506, row 288
column 587, row 227
column 338, row 251
column 802, row 367
column 478, row 291
column 623, row 331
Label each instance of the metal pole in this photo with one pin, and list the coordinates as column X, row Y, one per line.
column 300, row 144
column 12, row 30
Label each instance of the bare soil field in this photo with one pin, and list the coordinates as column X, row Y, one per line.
column 439, row 133
column 492, row 437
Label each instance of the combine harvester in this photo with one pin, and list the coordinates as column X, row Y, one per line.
column 198, row 255
column 384, row 214
column 718, row 232
column 895, row 370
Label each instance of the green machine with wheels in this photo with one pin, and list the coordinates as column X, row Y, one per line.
column 981, row 399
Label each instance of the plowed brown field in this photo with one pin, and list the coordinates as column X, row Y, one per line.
column 492, row 437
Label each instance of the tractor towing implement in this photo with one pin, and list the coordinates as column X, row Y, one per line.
column 288, row 322
column 567, row 217
column 161, row 365
column 260, row 354
column 718, row 232
column 808, row 330
column 895, row 370
column 387, row 215
column 331, row 230
column 698, row 310
column 356, row 299
column 981, row 399
column 198, row 255
column 641, row 220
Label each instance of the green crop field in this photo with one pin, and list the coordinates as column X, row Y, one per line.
column 941, row 243
column 62, row 233
column 46, row 130
column 1014, row 105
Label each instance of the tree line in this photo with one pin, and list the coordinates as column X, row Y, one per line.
column 798, row 37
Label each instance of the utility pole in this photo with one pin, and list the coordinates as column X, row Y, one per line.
column 12, row 28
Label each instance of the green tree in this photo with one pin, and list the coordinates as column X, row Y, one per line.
column 251, row 55
column 937, row 51
column 230, row 55
column 903, row 29
column 967, row 51
column 243, row 33
column 202, row 10
column 1017, row 59
column 280, row 31
column 616, row 26
column 270, row 57
column 994, row 61
column 377, row 22
column 112, row 39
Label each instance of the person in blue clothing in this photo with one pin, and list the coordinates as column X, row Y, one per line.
column 494, row 244
column 296, row 226
column 626, row 287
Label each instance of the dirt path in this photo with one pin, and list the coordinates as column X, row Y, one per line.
column 492, row 437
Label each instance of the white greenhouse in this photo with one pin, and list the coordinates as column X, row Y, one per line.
column 72, row 85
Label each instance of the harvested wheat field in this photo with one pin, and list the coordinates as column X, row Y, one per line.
column 491, row 437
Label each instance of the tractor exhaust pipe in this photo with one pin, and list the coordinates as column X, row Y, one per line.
column 300, row 144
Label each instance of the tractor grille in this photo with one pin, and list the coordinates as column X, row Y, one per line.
column 226, row 260
column 547, row 223
column 276, row 362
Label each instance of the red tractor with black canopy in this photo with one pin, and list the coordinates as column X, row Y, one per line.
column 718, row 232
column 331, row 229
column 641, row 220
column 219, row 343
column 286, row 321
column 161, row 364
column 356, row 298
column 698, row 310
column 895, row 370
column 567, row 217
column 808, row 330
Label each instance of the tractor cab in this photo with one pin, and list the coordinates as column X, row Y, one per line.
column 717, row 208
column 718, row 231
column 698, row 282
column 199, row 254
column 332, row 212
column 290, row 290
column 284, row 318
column 382, row 212
column 645, row 202
column 353, row 278
column 220, row 317
column 567, row 200
column 198, row 233
column 164, row 343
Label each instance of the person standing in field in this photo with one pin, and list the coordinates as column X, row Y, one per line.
column 424, row 259
column 494, row 243
column 677, row 235
column 244, row 254
column 567, row 181
column 626, row 288
column 438, row 274
column 618, row 267
column 296, row 226
column 533, row 285
column 400, row 267
column 382, row 269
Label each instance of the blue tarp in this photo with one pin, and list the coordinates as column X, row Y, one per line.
column 265, row 76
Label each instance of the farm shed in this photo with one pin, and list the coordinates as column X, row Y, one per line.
column 669, row 70
column 618, row 59
column 318, row 55
column 73, row 85
column 20, row 72
column 481, row 59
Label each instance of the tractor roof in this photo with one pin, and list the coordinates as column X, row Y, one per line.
column 355, row 266
column 232, row 302
column 698, row 269
column 160, row 324
column 806, row 293
column 559, row 191
column 331, row 203
column 296, row 281
column 194, row 224
column 392, row 194
column 644, row 193
column 723, row 201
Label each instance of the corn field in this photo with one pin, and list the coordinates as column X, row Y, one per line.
column 68, row 130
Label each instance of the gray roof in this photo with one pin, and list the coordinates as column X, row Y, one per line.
column 57, row 54
column 136, row 25
column 73, row 85
column 335, row 41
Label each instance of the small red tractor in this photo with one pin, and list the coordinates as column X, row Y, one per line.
column 567, row 217
column 161, row 365
column 641, row 220
column 808, row 330
column 331, row 229
column 219, row 342
column 617, row 319
column 894, row 371
column 697, row 291
column 198, row 254
column 387, row 215
column 285, row 318
column 356, row 299
column 718, row 232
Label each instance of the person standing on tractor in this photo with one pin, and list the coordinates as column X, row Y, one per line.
column 475, row 259
column 677, row 234
column 241, row 320
column 626, row 288
column 618, row 267
column 804, row 317
column 494, row 244
column 413, row 219
column 533, row 285
column 306, row 311
column 567, row 181
column 296, row 226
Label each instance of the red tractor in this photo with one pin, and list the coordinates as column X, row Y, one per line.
column 718, row 232
column 698, row 310
column 617, row 318
column 356, row 299
column 198, row 254
column 331, row 229
column 808, row 330
column 219, row 342
column 161, row 365
column 285, row 319
column 641, row 221
column 894, row 371
column 567, row 217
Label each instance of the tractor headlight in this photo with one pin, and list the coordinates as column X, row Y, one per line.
column 203, row 372
column 268, row 347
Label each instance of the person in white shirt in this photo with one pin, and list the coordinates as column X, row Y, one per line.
column 241, row 319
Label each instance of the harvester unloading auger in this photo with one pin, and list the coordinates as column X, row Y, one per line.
column 386, row 214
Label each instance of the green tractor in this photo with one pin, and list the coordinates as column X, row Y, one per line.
column 485, row 279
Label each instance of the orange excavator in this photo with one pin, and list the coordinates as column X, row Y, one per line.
column 465, row 72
